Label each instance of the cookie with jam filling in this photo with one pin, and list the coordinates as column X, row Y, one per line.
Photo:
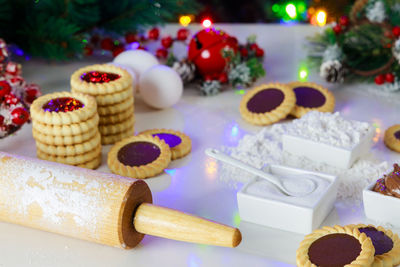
column 392, row 138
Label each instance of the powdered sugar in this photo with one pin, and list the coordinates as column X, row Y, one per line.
column 265, row 147
column 331, row 129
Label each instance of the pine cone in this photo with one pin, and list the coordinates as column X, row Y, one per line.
column 332, row 71
column 185, row 69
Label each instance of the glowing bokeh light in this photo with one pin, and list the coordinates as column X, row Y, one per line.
column 206, row 23
column 303, row 72
column 291, row 11
column 236, row 219
column 240, row 92
column 211, row 168
column 170, row 171
column 185, row 20
column 234, row 131
column 275, row 8
column 321, row 18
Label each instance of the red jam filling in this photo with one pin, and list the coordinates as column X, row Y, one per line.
column 99, row 77
column 63, row 104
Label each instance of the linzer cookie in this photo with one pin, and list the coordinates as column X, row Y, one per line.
column 116, row 118
column 116, row 128
column 267, row 103
column 336, row 246
column 112, row 138
column 60, row 140
column 178, row 142
column 311, row 96
column 71, row 160
column 139, row 157
column 385, row 242
column 392, row 138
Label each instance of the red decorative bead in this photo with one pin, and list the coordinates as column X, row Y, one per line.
column 259, row 52
column 11, row 99
column 17, row 81
column 244, row 52
column 167, row 41
column 223, row 77
column 161, row 53
column 344, row 21
column 131, row 37
column 107, row 44
column 154, row 33
column 13, row 68
column 182, row 34
column 396, row 31
column 5, row 88
column 118, row 50
column 253, row 47
column 88, row 51
column 63, row 104
column 99, row 77
column 380, row 79
column 19, row 116
column 337, row 29
column 31, row 93
column 389, row 77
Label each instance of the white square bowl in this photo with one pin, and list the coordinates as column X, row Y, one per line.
column 293, row 217
column 381, row 208
column 332, row 155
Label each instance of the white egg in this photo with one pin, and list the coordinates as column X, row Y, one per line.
column 135, row 79
column 160, row 87
column 138, row 60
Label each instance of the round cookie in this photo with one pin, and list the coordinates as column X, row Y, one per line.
column 267, row 103
column 178, row 142
column 71, row 160
column 63, row 108
column 59, row 140
column 67, row 129
column 100, row 79
column 335, row 246
column 112, row 138
column 70, row 150
column 139, row 157
column 392, row 138
column 117, row 118
column 385, row 242
column 109, row 99
column 117, row 127
column 92, row 164
column 115, row 108
column 311, row 96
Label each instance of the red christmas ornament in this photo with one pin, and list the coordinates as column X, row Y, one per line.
column 1, row 120
column 253, row 47
column 5, row 88
column 182, row 34
column 389, row 77
column 205, row 51
column 344, row 21
column 88, row 51
column 337, row 29
column 131, row 37
column 167, row 41
column 244, row 52
column 107, row 44
column 154, row 33
column 259, row 52
column 13, row 68
column 19, row 116
column 380, row 79
column 118, row 50
column 396, row 31
column 11, row 99
column 31, row 93
column 223, row 77
column 161, row 53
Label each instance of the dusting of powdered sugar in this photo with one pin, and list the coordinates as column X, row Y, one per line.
column 265, row 148
column 330, row 128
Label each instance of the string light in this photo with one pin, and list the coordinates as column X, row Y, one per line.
column 185, row 20
column 291, row 11
column 321, row 18
column 206, row 23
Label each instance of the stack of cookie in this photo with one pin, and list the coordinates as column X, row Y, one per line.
column 112, row 87
column 65, row 127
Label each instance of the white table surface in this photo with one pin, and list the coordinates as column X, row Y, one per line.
column 191, row 184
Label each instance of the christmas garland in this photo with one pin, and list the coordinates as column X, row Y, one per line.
column 361, row 47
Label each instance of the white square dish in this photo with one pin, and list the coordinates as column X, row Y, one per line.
column 381, row 208
column 329, row 154
column 288, row 213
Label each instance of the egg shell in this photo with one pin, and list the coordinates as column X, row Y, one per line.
column 138, row 60
column 135, row 80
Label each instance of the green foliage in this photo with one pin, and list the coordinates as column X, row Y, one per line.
column 256, row 68
column 54, row 29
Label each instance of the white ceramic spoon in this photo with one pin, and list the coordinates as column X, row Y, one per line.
column 283, row 186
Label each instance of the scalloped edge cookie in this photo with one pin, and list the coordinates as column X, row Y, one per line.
column 365, row 258
column 390, row 140
column 71, row 160
column 117, row 118
column 109, row 99
column 59, row 140
column 67, row 129
column 274, row 115
column 115, row 108
column 144, row 171
column 70, row 150
column 61, row 118
column 117, row 127
column 94, row 89
column 178, row 151
column 391, row 258
column 113, row 138
column 92, row 164
column 329, row 106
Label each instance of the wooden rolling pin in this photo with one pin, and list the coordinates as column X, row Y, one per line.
column 94, row 206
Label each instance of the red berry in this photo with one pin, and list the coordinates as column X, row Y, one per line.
column 182, row 34
column 11, row 99
column 167, row 41
column 396, row 31
column 31, row 94
column 5, row 88
column 118, row 50
column 88, row 51
column 344, row 21
column 161, row 53
column 131, row 37
column 19, row 116
column 253, row 47
column 107, row 44
column 389, row 77
column 259, row 52
column 244, row 52
column 337, row 29
column 1, row 120
column 380, row 79
column 154, row 33
column 223, row 77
